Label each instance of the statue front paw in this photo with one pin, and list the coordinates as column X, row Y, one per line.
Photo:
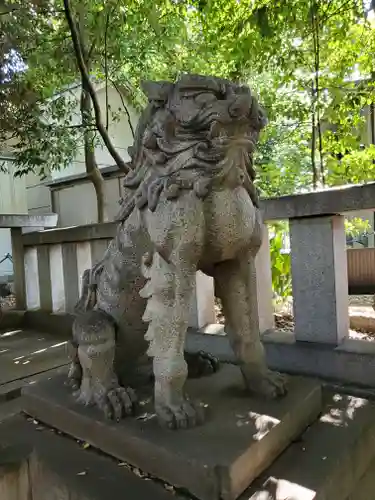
column 265, row 383
column 179, row 416
column 117, row 402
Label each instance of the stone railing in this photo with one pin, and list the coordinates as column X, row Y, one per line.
column 19, row 224
column 320, row 344
column 56, row 259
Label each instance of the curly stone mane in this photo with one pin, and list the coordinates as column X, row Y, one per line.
column 190, row 136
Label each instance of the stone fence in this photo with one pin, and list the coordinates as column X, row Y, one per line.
column 55, row 259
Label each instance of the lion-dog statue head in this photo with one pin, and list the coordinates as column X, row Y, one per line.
column 191, row 136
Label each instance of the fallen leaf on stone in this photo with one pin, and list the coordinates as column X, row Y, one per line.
column 143, row 416
column 85, row 446
column 146, row 416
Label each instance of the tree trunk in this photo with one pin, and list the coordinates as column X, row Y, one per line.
column 80, row 51
column 92, row 169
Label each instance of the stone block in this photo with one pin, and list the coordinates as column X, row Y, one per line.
column 365, row 487
column 319, row 279
column 218, row 460
column 14, row 477
column 25, row 220
column 337, row 200
column 38, row 464
column 330, row 460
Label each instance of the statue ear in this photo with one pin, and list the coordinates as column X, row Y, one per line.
column 156, row 91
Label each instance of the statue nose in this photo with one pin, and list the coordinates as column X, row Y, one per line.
column 240, row 106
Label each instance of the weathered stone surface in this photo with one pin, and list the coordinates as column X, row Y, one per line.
column 24, row 220
column 327, row 202
column 365, row 487
column 352, row 362
column 12, row 390
column 9, row 409
column 330, row 459
column 37, row 464
column 219, row 459
column 26, row 352
column 189, row 205
column 14, row 471
column 320, row 280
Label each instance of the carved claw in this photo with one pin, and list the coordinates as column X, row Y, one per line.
column 201, row 364
column 118, row 402
column 270, row 384
column 183, row 416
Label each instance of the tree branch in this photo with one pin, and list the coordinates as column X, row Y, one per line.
column 106, row 70
column 91, row 90
column 124, row 106
column 315, row 21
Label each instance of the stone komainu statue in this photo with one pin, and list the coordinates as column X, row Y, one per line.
column 189, row 204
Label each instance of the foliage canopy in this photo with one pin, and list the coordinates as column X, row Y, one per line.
column 310, row 62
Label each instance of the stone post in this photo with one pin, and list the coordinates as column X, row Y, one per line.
column 57, row 278
column 32, row 278
column 319, row 279
column 264, row 284
column 44, row 277
column 203, row 308
column 18, row 267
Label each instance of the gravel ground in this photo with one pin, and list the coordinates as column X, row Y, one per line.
column 361, row 300
column 7, row 303
column 284, row 320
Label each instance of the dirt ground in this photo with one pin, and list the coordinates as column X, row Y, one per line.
column 359, row 306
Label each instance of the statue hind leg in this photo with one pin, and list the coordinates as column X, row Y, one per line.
column 235, row 285
column 95, row 341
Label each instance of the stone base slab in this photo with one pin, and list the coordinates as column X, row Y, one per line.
column 38, row 464
column 242, row 435
column 333, row 460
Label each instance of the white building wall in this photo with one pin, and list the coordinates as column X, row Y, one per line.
column 12, row 201
column 76, row 203
column 119, row 132
column 38, row 195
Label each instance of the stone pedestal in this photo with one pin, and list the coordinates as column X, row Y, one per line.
column 218, row 460
column 320, row 279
